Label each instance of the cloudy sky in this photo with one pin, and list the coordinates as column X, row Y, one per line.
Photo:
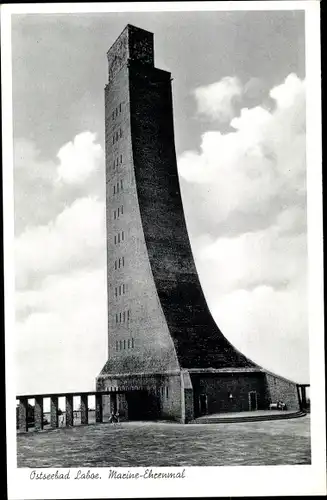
column 239, row 112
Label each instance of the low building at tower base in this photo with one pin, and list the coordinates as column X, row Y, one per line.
column 185, row 395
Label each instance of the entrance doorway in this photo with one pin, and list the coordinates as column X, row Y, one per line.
column 203, row 404
column 141, row 406
column 253, row 400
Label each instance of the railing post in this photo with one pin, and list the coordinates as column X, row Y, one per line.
column 38, row 413
column 303, row 397
column 54, row 411
column 98, row 408
column 22, row 415
column 84, row 409
column 69, row 411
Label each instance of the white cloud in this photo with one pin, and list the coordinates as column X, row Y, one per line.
column 270, row 326
column 289, row 92
column 27, row 160
column 259, row 258
column 256, row 288
column 258, row 165
column 43, row 188
column 61, row 316
column 244, row 196
column 79, row 159
column 217, row 99
column 33, row 185
column 61, row 345
column 75, row 238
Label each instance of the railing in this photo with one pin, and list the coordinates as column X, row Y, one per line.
column 27, row 415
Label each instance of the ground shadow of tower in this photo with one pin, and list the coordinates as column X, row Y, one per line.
column 164, row 348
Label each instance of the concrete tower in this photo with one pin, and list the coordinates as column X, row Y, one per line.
column 162, row 339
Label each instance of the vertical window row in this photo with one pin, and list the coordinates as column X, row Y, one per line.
column 121, row 289
column 116, row 111
column 124, row 344
column 119, row 186
column 119, row 263
column 123, row 316
column 117, row 213
column 118, row 238
column 117, row 161
column 117, row 135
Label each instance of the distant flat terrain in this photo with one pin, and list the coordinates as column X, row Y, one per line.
column 137, row 444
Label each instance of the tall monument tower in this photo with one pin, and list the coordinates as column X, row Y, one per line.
column 162, row 339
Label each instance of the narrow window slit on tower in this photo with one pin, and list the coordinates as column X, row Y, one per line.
column 128, row 315
column 132, row 343
column 121, row 184
column 124, row 344
column 123, row 259
column 121, row 158
column 128, row 344
column 118, row 237
column 115, row 239
column 121, row 209
column 114, row 189
column 119, row 317
column 118, row 212
column 120, row 345
column 122, row 235
column 116, row 318
column 124, row 316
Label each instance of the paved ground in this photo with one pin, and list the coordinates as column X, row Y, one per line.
column 277, row 442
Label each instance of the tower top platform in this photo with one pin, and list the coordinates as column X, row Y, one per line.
column 133, row 44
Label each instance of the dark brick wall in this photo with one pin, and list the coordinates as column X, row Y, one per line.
column 218, row 387
column 197, row 339
column 132, row 44
column 280, row 389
